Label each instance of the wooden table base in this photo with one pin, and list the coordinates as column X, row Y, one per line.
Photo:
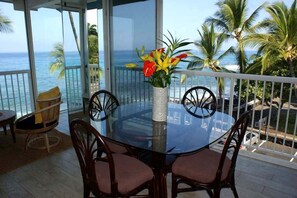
column 7, row 117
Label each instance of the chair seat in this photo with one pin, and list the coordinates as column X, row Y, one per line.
column 129, row 173
column 201, row 166
column 116, row 148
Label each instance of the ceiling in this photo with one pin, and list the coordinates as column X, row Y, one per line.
column 67, row 4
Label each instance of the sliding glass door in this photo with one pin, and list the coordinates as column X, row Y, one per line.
column 132, row 25
column 47, row 35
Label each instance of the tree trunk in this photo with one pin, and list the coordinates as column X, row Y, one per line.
column 241, row 57
column 291, row 66
column 74, row 31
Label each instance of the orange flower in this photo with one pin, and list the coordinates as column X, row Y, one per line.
column 159, row 51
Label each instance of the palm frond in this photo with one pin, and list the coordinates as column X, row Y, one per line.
column 248, row 22
column 5, row 24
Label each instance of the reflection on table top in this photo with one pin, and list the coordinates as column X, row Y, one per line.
column 132, row 124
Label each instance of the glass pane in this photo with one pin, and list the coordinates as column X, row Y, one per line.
column 72, row 48
column 15, row 79
column 95, row 70
column 101, row 48
column 133, row 25
column 48, row 48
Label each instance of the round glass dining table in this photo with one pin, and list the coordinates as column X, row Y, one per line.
column 183, row 132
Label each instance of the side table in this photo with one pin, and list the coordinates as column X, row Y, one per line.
column 7, row 117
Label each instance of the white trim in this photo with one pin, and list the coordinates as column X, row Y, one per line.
column 239, row 76
column 159, row 22
column 30, row 53
column 83, row 50
column 106, row 6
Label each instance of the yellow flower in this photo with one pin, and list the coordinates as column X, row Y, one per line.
column 130, row 65
column 146, row 57
column 164, row 65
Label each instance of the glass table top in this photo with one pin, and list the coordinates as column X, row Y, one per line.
column 183, row 132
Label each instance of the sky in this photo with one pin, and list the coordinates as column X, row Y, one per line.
column 181, row 17
column 185, row 19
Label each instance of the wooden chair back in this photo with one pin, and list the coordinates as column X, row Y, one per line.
column 88, row 143
column 101, row 104
column 233, row 143
column 199, row 97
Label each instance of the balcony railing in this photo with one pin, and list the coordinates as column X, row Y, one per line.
column 15, row 91
column 271, row 100
column 73, row 87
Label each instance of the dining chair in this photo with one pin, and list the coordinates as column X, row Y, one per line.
column 199, row 101
column 39, row 123
column 101, row 105
column 210, row 170
column 111, row 174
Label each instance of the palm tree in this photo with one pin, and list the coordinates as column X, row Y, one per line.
column 93, row 44
column 5, row 24
column 58, row 65
column 92, row 29
column 209, row 46
column 279, row 43
column 232, row 19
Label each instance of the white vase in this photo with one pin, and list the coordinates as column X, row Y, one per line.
column 160, row 106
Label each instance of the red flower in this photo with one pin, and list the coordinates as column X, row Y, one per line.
column 181, row 56
column 176, row 59
column 161, row 50
column 149, row 68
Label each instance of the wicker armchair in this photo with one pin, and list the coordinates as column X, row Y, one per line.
column 36, row 125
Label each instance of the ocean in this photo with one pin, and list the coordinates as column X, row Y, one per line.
column 47, row 80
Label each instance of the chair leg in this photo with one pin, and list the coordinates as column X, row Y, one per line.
column 5, row 131
column 46, row 143
column 233, row 188
column 234, row 191
column 174, row 186
column 209, row 192
column 86, row 191
column 217, row 192
column 27, row 141
column 151, row 189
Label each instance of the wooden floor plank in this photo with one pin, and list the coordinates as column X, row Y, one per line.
column 59, row 176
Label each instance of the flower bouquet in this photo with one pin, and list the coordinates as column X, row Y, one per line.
column 159, row 64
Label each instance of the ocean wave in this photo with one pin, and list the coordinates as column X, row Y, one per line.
column 232, row 67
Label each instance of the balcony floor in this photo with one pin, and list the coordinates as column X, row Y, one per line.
column 59, row 176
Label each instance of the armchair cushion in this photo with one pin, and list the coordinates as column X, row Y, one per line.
column 52, row 93
column 29, row 123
